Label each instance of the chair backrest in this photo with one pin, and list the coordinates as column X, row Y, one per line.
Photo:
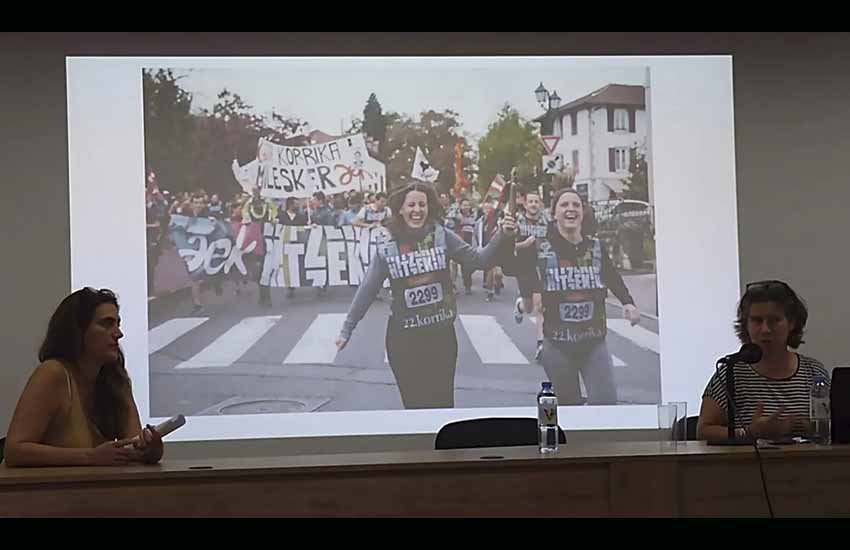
column 840, row 404
column 690, row 427
column 490, row 432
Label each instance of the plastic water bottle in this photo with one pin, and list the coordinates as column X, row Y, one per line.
column 819, row 413
column 547, row 418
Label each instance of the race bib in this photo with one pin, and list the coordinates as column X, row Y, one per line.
column 424, row 295
column 576, row 312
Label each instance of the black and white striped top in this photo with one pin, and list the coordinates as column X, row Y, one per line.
column 752, row 388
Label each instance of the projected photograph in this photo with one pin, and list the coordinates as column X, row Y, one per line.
column 267, row 186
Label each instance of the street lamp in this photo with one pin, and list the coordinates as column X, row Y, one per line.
column 554, row 101
column 542, row 95
column 546, row 100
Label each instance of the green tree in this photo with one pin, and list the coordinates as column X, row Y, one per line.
column 637, row 184
column 510, row 141
column 436, row 133
column 231, row 130
column 563, row 179
column 374, row 122
column 169, row 127
column 190, row 150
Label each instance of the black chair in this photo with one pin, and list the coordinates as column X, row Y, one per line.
column 690, row 427
column 2, row 446
column 490, row 432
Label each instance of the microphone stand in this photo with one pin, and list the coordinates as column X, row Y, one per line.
column 731, row 411
column 730, row 399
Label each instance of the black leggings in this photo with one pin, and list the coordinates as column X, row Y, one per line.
column 423, row 362
column 254, row 265
column 562, row 363
column 466, row 273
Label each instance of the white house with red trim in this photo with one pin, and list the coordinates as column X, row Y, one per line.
column 597, row 131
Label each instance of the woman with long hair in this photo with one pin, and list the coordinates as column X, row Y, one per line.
column 573, row 273
column 77, row 408
column 415, row 253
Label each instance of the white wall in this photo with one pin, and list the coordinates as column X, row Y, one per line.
column 600, row 141
column 34, row 212
column 570, row 142
column 604, row 140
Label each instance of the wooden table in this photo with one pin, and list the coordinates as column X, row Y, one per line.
column 603, row 479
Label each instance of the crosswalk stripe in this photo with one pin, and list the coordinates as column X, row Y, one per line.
column 616, row 360
column 169, row 331
column 637, row 334
column 490, row 341
column 233, row 344
column 317, row 344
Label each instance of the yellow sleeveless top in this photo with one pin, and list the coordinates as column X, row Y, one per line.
column 72, row 427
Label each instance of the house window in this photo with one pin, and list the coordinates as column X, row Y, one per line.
column 558, row 130
column 621, row 120
column 621, row 159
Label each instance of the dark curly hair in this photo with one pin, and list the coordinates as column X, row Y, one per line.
column 777, row 292
column 589, row 225
column 435, row 210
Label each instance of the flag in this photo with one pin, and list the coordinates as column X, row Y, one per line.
column 497, row 186
column 461, row 182
column 499, row 192
column 246, row 175
column 422, row 169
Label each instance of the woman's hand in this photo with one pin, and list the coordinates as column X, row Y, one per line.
column 508, row 224
column 526, row 243
column 631, row 313
column 341, row 342
column 776, row 424
column 114, row 453
column 149, row 444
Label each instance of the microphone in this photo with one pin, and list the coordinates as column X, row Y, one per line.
column 749, row 353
